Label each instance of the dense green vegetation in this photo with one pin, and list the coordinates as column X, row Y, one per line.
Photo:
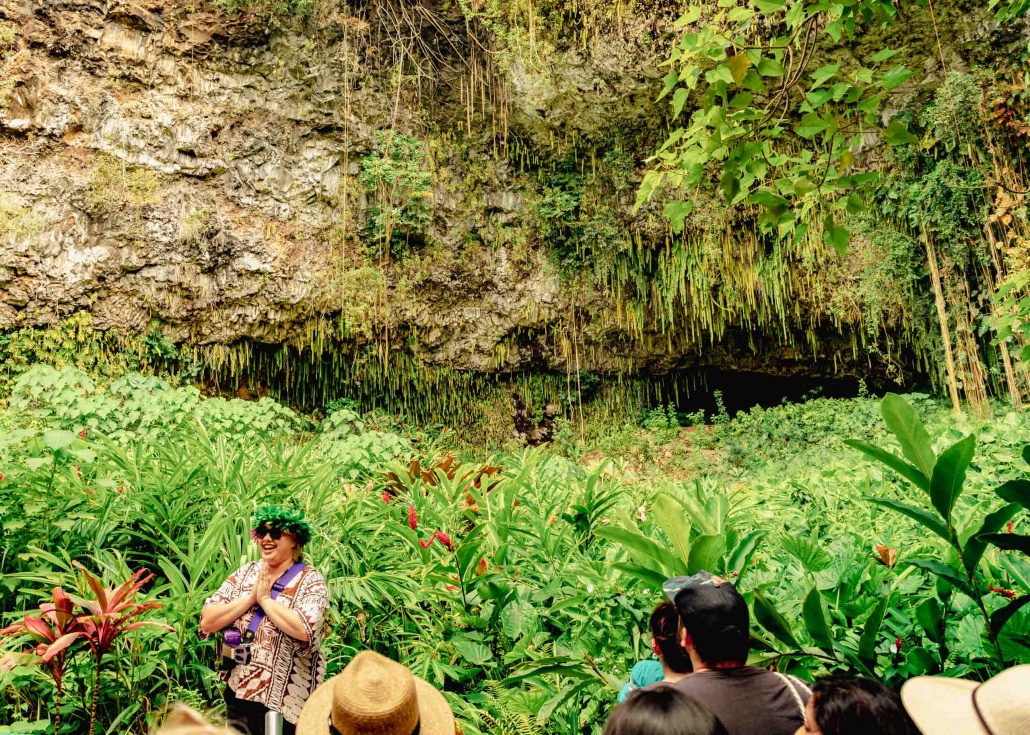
column 491, row 575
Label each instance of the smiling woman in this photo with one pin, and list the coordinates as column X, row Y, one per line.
column 271, row 614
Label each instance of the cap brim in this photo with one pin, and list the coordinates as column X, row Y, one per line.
column 435, row 716
column 941, row 706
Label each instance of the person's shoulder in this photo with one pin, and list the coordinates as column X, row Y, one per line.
column 313, row 576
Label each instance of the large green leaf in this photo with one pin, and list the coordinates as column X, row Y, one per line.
column 1015, row 491
column 770, row 618
column 977, row 543
column 669, row 516
column 929, row 520
column 1002, row 616
column 813, row 611
column 930, row 617
column 896, row 463
column 643, row 550
column 743, row 551
column 907, row 427
column 813, row 557
column 706, row 553
column 949, row 475
column 645, row 575
column 1008, row 541
column 867, row 643
column 943, row 571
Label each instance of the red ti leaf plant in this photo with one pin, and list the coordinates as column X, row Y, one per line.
column 55, row 631
column 108, row 617
column 60, row 632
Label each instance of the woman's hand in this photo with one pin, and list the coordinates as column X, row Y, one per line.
column 263, row 586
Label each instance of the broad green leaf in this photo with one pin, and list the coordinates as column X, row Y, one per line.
column 896, row 463
column 706, row 553
column 1002, row 616
column 896, row 77
column 977, row 543
column 854, row 203
column 644, row 551
column 943, row 571
column 1015, row 491
column 867, row 643
column 1008, row 541
column 669, row 516
column 743, row 551
column 814, row 614
column 824, row 73
column 929, row 615
column 770, row 618
column 473, row 652
column 678, row 100
column 768, row 6
column 648, row 576
column 669, row 83
column 676, row 213
column 927, row 519
column 768, row 67
column 906, row 425
column 835, row 235
column 693, row 15
column 57, row 438
column 813, row 557
column 811, row 125
column 652, row 180
column 885, row 54
column 949, row 475
column 897, row 134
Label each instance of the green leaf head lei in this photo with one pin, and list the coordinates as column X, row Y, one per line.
column 283, row 518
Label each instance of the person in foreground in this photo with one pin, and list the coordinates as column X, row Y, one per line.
column 855, row 706
column 376, row 696
column 662, row 710
column 672, row 664
column 272, row 613
column 716, row 634
column 941, row 705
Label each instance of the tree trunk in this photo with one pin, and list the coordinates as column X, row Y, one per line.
column 942, row 316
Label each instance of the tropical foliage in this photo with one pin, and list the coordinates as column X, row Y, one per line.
column 520, row 583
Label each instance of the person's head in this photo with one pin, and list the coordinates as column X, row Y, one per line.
column 183, row 720
column 665, row 638
column 715, row 619
column 941, row 705
column 376, row 696
column 855, row 706
column 280, row 533
column 662, row 710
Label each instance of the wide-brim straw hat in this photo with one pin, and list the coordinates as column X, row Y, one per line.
column 376, row 696
column 943, row 706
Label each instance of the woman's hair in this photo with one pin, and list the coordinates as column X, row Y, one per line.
column 298, row 553
column 859, row 706
column 665, row 631
column 662, row 710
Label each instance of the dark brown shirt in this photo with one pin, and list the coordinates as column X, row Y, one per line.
column 750, row 701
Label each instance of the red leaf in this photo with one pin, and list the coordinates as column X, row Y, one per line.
column 60, row 646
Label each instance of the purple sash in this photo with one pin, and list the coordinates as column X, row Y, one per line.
column 278, row 586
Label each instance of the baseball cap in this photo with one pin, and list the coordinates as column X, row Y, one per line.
column 714, row 614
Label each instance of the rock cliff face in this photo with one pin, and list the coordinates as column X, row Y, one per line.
column 208, row 175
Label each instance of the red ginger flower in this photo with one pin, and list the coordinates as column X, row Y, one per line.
column 1008, row 594
column 412, row 518
column 82, row 434
column 1010, row 526
column 386, row 497
column 444, row 539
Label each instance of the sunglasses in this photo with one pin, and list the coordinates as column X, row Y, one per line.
column 273, row 533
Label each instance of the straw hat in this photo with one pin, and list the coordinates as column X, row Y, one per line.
column 376, row 696
column 944, row 706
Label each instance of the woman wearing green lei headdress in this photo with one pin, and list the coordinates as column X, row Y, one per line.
column 275, row 663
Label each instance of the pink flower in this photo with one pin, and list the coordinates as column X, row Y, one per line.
column 444, row 539
column 386, row 497
column 412, row 518
column 1, row 476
